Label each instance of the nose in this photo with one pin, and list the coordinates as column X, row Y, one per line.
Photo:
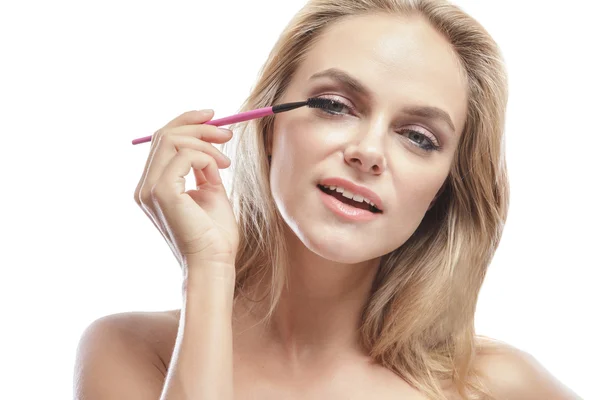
column 366, row 153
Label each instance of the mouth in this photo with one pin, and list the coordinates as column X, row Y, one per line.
column 351, row 199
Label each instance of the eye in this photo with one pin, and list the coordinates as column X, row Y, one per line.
column 422, row 140
column 334, row 106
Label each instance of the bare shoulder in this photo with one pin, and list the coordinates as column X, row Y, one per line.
column 511, row 373
column 125, row 355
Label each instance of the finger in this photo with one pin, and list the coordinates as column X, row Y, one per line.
column 197, row 135
column 199, row 178
column 187, row 142
column 168, row 148
column 206, row 133
column 171, row 183
column 189, row 117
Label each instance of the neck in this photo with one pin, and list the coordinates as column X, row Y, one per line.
column 320, row 309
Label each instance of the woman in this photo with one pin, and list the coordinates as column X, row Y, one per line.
column 349, row 262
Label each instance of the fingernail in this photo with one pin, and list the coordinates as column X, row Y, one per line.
column 206, row 111
column 226, row 131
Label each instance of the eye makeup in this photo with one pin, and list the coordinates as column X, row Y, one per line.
column 337, row 80
column 335, row 107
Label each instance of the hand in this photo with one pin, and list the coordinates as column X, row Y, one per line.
column 197, row 224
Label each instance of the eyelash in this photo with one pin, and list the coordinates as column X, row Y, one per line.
column 430, row 147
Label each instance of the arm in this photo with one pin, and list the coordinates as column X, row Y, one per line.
column 117, row 357
column 202, row 362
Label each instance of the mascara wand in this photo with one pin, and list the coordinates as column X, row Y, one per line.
column 258, row 113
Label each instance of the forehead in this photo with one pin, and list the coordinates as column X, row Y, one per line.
column 400, row 59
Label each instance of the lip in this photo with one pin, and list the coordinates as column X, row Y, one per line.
column 346, row 211
column 354, row 188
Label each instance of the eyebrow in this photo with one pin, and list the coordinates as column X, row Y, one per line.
column 357, row 87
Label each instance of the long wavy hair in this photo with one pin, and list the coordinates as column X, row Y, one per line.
column 419, row 319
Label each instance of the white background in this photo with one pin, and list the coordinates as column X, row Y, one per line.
column 80, row 80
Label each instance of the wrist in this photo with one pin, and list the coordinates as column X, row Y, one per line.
column 205, row 276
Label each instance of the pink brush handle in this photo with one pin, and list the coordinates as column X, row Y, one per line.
column 245, row 116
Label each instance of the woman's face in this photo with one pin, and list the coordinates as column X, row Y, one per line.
column 391, row 139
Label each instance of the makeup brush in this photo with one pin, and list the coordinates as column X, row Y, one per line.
column 260, row 112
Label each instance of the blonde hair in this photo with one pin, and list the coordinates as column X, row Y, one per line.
column 419, row 320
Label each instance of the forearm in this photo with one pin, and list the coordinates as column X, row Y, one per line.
column 201, row 367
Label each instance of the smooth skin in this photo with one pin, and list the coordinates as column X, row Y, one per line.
column 310, row 349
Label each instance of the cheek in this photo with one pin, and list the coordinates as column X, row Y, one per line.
column 303, row 138
column 416, row 189
column 302, row 142
column 291, row 158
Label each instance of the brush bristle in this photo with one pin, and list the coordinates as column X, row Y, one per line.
column 315, row 102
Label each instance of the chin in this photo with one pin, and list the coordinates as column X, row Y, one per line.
column 339, row 246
